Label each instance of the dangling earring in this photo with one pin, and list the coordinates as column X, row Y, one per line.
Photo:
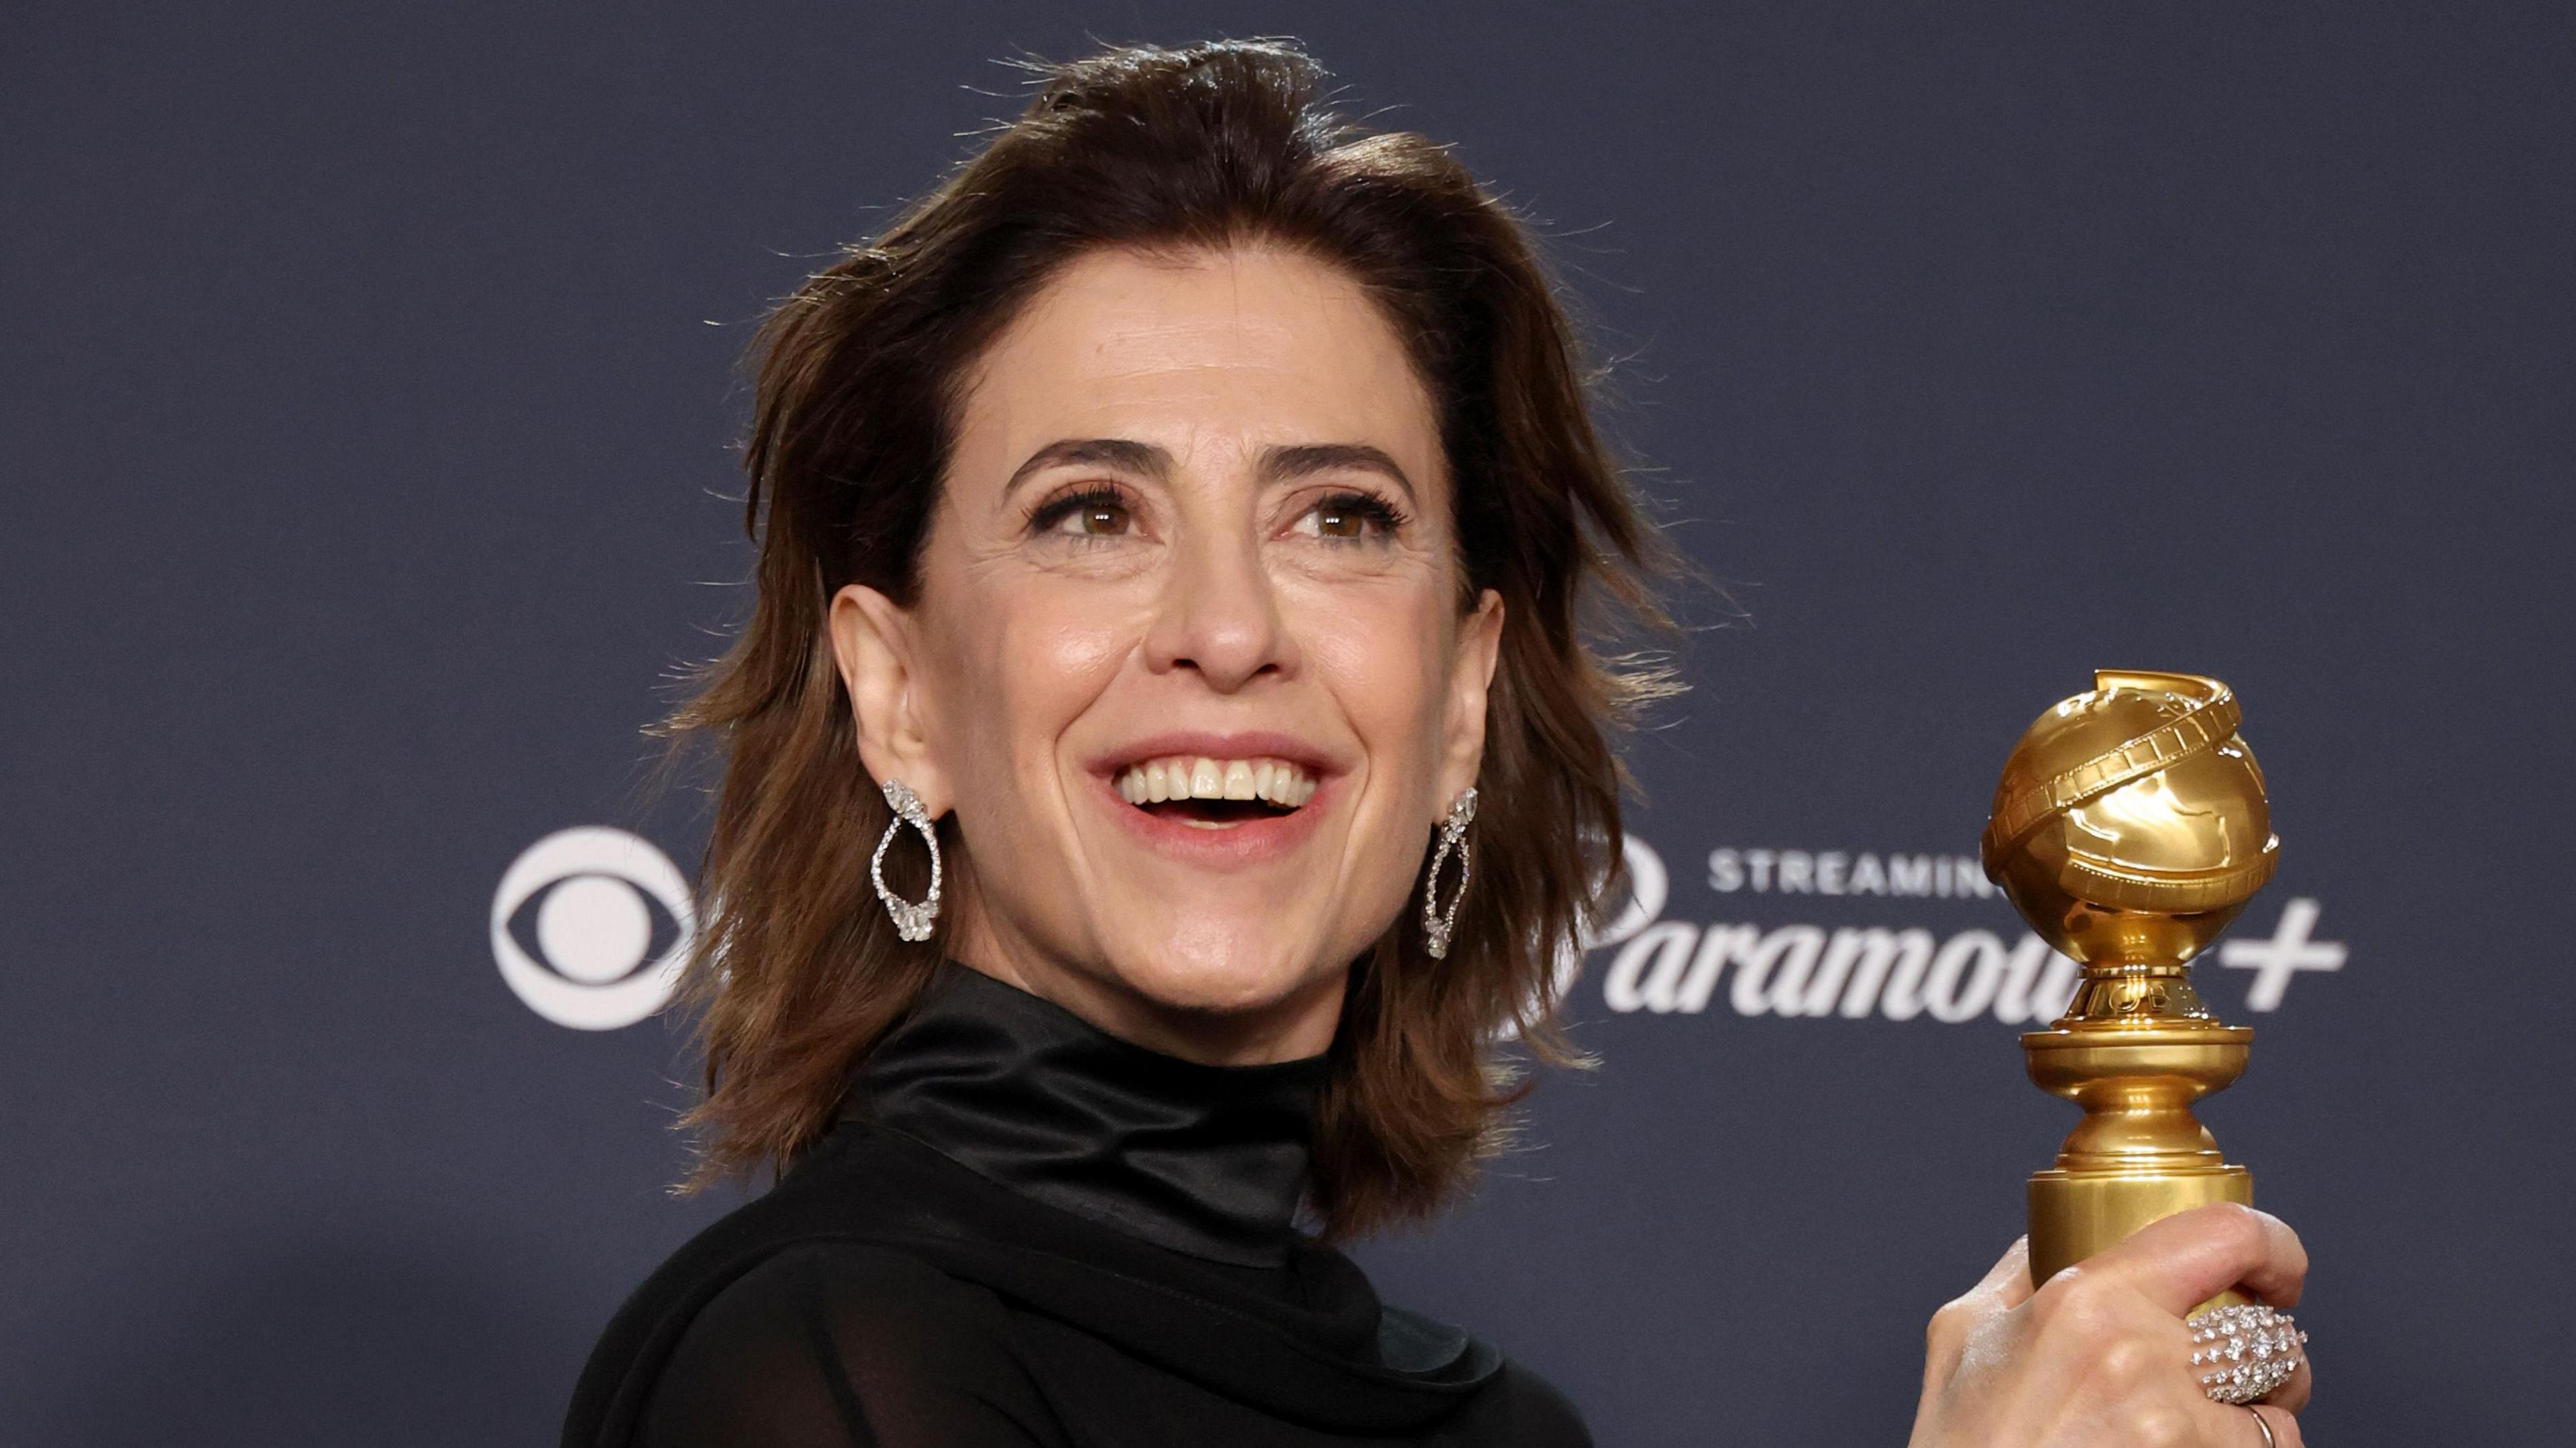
column 1438, row 925
column 911, row 921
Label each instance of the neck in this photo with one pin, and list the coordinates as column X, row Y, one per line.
column 1206, row 1160
column 1291, row 1027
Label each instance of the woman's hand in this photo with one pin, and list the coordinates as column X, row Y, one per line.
column 2099, row 1354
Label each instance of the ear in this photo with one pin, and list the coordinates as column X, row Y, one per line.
column 874, row 645
column 1471, row 676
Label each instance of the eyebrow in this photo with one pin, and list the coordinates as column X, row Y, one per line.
column 1278, row 464
column 1123, row 454
column 1281, row 464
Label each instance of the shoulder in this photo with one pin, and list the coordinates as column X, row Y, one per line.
column 1513, row 1408
column 1537, row 1413
column 861, row 1297
column 802, row 1313
column 834, row 1342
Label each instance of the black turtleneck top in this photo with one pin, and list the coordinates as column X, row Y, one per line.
column 1025, row 1231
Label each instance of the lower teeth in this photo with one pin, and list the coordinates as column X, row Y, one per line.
column 1214, row 811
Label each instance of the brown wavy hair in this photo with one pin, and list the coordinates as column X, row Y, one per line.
column 797, row 970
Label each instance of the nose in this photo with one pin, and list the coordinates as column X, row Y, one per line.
column 1220, row 616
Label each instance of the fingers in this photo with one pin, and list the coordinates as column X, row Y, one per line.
column 2005, row 1286
column 2292, row 1396
column 2190, row 1257
column 2007, row 1283
column 2285, row 1429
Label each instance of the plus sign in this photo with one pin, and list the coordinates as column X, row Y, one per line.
column 2288, row 952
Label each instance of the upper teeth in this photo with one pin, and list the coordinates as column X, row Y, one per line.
column 1199, row 777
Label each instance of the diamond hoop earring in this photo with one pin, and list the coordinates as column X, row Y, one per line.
column 1439, row 925
column 911, row 921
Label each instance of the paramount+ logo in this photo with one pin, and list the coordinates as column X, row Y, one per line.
column 1756, row 963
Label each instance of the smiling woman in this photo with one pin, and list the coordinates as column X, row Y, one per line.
column 1182, row 423
column 1181, row 541
column 1181, row 536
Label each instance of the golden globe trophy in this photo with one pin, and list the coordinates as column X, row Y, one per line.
column 2129, row 828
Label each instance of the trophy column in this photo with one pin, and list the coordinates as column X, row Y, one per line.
column 2129, row 828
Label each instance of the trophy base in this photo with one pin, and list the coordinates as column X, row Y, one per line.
column 2076, row 1214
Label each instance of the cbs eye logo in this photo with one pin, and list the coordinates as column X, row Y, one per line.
column 591, row 926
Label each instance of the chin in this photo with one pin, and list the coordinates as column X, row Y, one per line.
column 1230, row 977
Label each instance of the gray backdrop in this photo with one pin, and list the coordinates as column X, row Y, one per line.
column 365, row 419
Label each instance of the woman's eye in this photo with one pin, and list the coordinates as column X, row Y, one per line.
column 1354, row 518
column 1088, row 517
column 1340, row 523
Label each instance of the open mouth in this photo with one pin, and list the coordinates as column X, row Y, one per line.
column 1215, row 793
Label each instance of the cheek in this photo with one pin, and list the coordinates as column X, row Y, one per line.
column 1027, row 659
column 1381, row 652
column 1380, row 655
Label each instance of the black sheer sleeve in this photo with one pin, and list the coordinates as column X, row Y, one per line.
column 847, row 1346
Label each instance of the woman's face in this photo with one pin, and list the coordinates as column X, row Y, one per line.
column 1187, row 660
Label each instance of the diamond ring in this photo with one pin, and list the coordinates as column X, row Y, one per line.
column 2244, row 1351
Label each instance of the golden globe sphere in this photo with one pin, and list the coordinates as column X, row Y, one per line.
column 2130, row 824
